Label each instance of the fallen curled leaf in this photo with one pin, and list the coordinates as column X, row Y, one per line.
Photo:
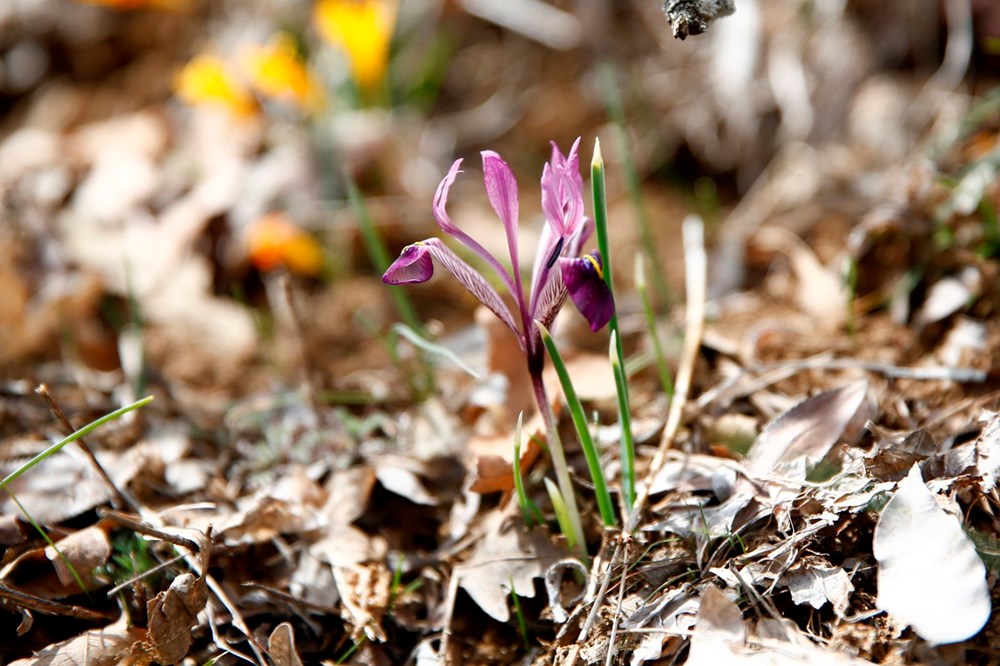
column 172, row 614
column 929, row 574
column 281, row 646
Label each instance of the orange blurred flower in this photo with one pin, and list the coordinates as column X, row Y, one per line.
column 363, row 30
column 276, row 70
column 206, row 80
column 274, row 240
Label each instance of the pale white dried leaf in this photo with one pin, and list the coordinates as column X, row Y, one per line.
column 929, row 574
column 719, row 634
column 816, row 583
column 988, row 452
column 808, row 430
column 949, row 295
column 507, row 559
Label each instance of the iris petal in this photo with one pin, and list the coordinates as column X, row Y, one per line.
column 584, row 279
column 413, row 266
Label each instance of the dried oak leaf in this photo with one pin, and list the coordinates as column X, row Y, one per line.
column 507, row 559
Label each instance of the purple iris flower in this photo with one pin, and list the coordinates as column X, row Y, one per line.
column 558, row 270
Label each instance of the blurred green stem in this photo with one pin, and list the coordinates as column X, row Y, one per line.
column 616, row 113
column 604, row 245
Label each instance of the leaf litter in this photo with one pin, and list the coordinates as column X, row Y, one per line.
column 300, row 496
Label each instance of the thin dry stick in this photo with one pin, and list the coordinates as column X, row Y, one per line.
column 26, row 600
column 618, row 609
column 695, row 269
column 119, row 500
column 601, row 593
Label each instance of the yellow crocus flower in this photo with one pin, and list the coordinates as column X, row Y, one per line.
column 207, row 80
column 363, row 30
column 276, row 71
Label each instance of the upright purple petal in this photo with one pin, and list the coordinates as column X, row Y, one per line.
column 414, row 265
column 584, row 280
column 444, row 221
column 562, row 191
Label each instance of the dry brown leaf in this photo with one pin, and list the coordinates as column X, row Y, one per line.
column 172, row 614
column 84, row 551
column 507, row 559
column 281, row 646
column 493, row 457
column 364, row 594
column 98, row 647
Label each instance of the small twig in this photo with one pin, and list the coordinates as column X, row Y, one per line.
column 448, row 614
column 601, row 593
column 145, row 574
column 618, row 608
column 119, row 500
column 137, row 525
column 25, row 600
column 695, row 268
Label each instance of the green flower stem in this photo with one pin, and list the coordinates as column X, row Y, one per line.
column 627, row 443
column 647, row 308
column 572, row 526
column 601, row 228
column 604, row 502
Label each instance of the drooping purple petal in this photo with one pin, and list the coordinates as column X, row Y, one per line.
column 414, row 265
column 444, row 221
column 562, row 191
column 501, row 189
column 584, row 280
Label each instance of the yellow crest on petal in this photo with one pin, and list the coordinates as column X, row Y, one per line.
column 363, row 30
column 206, row 80
column 277, row 71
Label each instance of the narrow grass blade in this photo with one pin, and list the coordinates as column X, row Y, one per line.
column 627, row 443
column 519, row 613
column 529, row 511
column 380, row 256
column 434, row 348
column 82, row 432
column 603, row 243
column 562, row 514
column 38, row 528
column 647, row 308
column 616, row 113
column 604, row 502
